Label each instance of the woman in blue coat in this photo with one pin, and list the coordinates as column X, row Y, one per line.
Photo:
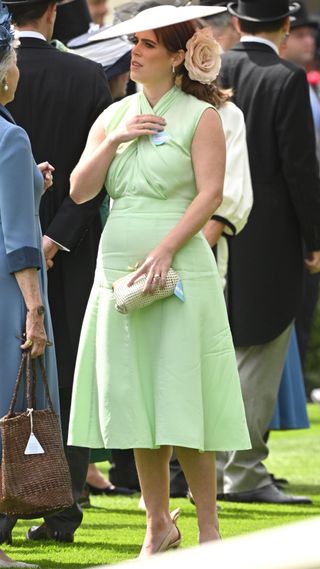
column 23, row 297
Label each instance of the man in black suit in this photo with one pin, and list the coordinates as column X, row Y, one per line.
column 266, row 260
column 59, row 97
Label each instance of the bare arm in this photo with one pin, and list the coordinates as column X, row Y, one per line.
column 27, row 280
column 208, row 157
column 90, row 173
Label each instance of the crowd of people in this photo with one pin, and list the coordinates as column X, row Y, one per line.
column 184, row 138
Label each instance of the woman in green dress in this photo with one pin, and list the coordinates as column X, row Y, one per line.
column 165, row 375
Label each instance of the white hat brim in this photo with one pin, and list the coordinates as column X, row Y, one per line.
column 159, row 17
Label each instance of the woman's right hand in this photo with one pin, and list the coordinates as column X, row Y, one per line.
column 140, row 125
column 36, row 337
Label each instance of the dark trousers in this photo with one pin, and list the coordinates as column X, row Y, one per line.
column 123, row 473
column 78, row 459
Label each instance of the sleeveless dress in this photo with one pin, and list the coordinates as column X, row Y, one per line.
column 165, row 374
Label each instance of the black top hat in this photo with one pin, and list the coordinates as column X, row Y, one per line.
column 72, row 20
column 302, row 18
column 262, row 10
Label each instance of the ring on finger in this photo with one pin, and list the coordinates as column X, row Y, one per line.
column 29, row 343
column 156, row 277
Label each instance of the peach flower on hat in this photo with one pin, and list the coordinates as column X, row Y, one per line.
column 202, row 59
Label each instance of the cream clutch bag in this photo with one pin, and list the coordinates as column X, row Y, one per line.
column 129, row 298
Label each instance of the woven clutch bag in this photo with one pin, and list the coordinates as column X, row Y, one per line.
column 129, row 298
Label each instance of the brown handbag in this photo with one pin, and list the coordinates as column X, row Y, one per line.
column 37, row 483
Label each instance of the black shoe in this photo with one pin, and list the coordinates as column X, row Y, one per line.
column 84, row 500
column 110, row 491
column 43, row 532
column 280, row 483
column 266, row 495
column 7, row 524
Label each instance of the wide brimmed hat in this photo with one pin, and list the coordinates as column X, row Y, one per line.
column 262, row 10
column 159, row 17
column 123, row 12
column 302, row 19
column 113, row 54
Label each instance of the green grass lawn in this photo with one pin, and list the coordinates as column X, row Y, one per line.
column 113, row 528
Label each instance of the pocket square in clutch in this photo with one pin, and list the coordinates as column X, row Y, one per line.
column 129, row 298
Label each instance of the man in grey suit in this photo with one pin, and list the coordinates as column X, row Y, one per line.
column 266, row 260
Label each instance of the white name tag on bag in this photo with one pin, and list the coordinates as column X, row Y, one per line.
column 33, row 446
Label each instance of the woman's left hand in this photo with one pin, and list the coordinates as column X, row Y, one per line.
column 155, row 267
column 46, row 170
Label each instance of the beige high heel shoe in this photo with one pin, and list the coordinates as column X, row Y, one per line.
column 171, row 541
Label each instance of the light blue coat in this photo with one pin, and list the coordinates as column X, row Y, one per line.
column 21, row 185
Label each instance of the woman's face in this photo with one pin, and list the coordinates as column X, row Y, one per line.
column 11, row 79
column 151, row 62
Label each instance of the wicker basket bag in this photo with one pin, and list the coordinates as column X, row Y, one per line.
column 129, row 298
column 34, row 475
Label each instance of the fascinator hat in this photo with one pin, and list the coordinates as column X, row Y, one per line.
column 159, row 17
column 6, row 31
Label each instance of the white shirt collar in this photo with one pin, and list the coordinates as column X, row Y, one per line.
column 30, row 34
column 260, row 40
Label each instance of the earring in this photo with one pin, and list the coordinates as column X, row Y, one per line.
column 5, row 86
column 173, row 70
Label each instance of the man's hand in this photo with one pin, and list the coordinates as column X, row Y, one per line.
column 313, row 262
column 213, row 231
column 50, row 250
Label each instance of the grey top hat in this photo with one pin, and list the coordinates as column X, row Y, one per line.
column 262, row 10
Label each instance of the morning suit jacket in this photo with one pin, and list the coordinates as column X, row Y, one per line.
column 58, row 98
column 266, row 261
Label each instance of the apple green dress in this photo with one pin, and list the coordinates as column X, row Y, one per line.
column 165, row 374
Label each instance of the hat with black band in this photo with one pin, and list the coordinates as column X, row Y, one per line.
column 113, row 54
column 262, row 10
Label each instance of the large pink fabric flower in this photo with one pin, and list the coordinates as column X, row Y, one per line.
column 202, row 59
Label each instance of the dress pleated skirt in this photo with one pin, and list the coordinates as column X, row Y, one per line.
column 165, row 374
